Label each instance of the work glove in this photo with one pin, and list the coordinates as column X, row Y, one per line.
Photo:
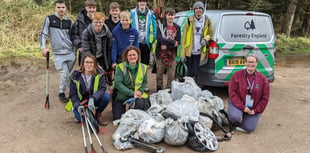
column 183, row 59
column 129, row 101
column 80, row 109
column 204, row 43
column 91, row 104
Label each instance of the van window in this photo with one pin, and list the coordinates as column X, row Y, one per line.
column 246, row 28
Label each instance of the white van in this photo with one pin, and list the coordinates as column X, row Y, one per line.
column 236, row 34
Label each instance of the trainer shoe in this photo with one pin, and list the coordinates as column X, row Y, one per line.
column 146, row 89
column 62, row 97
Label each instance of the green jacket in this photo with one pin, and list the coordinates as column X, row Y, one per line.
column 123, row 83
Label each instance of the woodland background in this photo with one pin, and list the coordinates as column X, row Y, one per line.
column 289, row 16
column 21, row 21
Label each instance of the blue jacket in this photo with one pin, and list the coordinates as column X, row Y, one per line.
column 150, row 24
column 122, row 39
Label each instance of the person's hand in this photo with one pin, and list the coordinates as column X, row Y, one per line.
column 246, row 110
column 137, row 94
column 80, row 109
column 183, row 59
column 44, row 51
column 176, row 44
column 203, row 43
column 163, row 47
column 91, row 104
column 251, row 112
column 80, row 50
column 113, row 65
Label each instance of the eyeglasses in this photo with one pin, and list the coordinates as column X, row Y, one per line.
column 97, row 22
column 89, row 62
column 251, row 62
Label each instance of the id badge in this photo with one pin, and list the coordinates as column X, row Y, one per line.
column 248, row 101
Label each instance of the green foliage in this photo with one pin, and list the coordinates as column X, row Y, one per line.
column 285, row 45
column 20, row 25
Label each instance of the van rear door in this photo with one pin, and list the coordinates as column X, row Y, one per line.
column 240, row 33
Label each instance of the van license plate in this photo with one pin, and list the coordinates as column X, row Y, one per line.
column 235, row 62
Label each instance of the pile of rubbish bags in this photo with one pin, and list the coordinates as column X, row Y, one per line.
column 173, row 117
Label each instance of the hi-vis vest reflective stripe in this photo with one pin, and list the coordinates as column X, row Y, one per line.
column 139, row 77
column 69, row 105
column 152, row 37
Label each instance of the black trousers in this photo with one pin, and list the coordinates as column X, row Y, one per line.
column 145, row 53
column 118, row 109
column 192, row 64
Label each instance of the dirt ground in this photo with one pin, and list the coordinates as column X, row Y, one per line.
column 27, row 127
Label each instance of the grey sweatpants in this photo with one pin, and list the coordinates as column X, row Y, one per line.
column 64, row 64
column 248, row 122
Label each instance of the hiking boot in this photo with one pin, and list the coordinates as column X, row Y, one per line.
column 62, row 97
column 100, row 120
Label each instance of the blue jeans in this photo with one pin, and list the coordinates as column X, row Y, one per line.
column 101, row 105
column 248, row 122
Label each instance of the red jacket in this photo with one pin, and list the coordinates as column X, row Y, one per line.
column 238, row 90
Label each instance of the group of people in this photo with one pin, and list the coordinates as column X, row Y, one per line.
column 123, row 43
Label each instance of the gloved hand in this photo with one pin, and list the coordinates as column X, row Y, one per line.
column 91, row 104
column 183, row 59
column 80, row 108
column 203, row 42
column 129, row 101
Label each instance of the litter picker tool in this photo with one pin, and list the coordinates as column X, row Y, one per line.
column 83, row 131
column 136, row 142
column 47, row 100
column 90, row 139
column 90, row 124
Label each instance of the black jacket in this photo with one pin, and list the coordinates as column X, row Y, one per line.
column 80, row 25
column 169, row 42
column 89, row 43
column 110, row 23
column 77, row 76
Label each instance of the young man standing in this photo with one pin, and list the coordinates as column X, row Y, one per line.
column 82, row 21
column 196, row 36
column 113, row 19
column 168, row 39
column 145, row 22
column 58, row 28
column 124, row 35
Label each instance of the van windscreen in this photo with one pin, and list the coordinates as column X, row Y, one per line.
column 246, row 28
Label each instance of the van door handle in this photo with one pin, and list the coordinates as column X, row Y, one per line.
column 248, row 47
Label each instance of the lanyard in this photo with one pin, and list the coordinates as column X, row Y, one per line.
column 250, row 85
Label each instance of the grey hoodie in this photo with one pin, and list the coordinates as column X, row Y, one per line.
column 59, row 32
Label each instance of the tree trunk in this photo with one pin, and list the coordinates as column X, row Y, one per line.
column 289, row 17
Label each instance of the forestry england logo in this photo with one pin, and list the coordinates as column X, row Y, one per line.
column 249, row 25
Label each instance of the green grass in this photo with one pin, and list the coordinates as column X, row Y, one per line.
column 298, row 45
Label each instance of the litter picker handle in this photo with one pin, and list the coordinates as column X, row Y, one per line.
column 47, row 59
column 47, row 101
